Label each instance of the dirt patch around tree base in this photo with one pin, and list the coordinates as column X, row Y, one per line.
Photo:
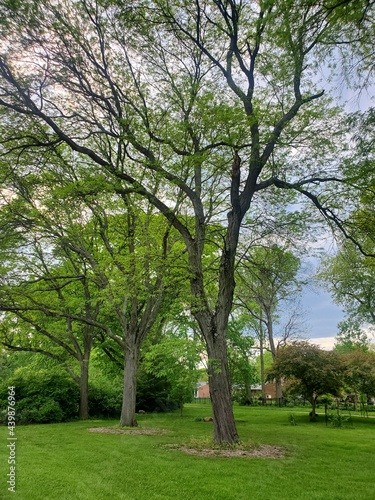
column 135, row 430
column 262, row 451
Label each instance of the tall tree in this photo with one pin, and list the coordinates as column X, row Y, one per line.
column 214, row 100
column 91, row 240
column 50, row 303
column 267, row 277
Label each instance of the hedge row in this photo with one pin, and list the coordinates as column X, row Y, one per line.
column 47, row 396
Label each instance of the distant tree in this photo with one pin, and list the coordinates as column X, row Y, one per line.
column 350, row 277
column 241, row 356
column 310, row 371
column 175, row 359
column 351, row 336
column 359, row 372
column 267, row 278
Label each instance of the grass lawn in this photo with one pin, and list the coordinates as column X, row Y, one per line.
column 66, row 462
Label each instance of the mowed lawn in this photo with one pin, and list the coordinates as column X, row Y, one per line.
column 66, row 462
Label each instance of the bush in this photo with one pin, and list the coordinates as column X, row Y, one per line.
column 40, row 410
column 338, row 420
column 41, row 396
column 153, row 393
column 105, row 399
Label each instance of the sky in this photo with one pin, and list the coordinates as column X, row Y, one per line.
column 321, row 317
column 321, row 314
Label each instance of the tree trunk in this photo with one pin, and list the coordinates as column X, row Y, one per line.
column 313, row 417
column 271, row 340
column 84, row 389
column 225, row 431
column 279, row 392
column 262, row 370
column 130, row 388
column 248, row 392
column 213, row 324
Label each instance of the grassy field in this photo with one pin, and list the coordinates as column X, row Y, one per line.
column 66, row 462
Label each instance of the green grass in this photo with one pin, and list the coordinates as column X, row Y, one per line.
column 66, row 462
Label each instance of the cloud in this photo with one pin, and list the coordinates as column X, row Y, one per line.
column 322, row 315
column 324, row 342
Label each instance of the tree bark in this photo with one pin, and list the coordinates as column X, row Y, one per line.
column 262, row 370
column 84, row 389
column 225, row 431
column 130, row 388
column 84, row 359
column 279, row 391
column 313, row 417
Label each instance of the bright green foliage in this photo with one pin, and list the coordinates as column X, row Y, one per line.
column 351, row 337
column 201, row 108
column 175, row 359
column 41, row 396
column 350, row 277
column 241, row 358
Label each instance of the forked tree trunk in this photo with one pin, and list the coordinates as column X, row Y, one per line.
column 128, row 418
column 225, row 431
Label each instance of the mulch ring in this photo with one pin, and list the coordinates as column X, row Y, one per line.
column 135, row 430
column 262, row 451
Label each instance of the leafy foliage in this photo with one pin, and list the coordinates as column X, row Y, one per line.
column 42, row 396
column 309, row 370
column 175, row 360
column 359, row 366
column 198, row 110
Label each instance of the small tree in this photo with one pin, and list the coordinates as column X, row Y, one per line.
column 310, row 371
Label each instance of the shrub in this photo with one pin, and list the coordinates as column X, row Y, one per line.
column 292, row 419
column 41, row 396
column 338, row 420
column 153, row 393
column 39, row 410
column 105, row 399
